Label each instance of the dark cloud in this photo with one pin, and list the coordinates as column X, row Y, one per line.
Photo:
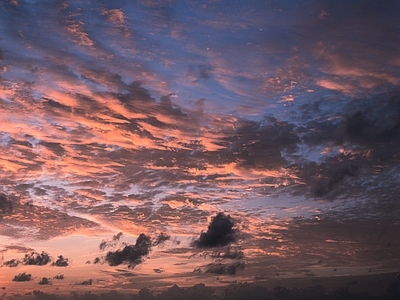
column 36, row 259
column 11, row 263
column 220, row 232
column 161, row 239
column 227, row 253
column 61, row 262
column 325, row 185
column 261, row 144
column 22, row 277
column 104, row 244
column 375, row 124
column 59, row 276
column 85, row 282
column 130, row 254
column 5, row 204
column 221, row 269
column 45, row 280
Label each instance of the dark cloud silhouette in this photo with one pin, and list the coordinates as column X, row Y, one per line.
column 85, row 282
column 261, row 144
column 227, row 253
column 97, row 260
column 59, row 277
column 36, row 259
column 22, row 277
column 130, row 254
column 220, row 268
column 60, row 262
column 105, row 244
column 11, row 263
column 45, row 280
column 220, row 232
column 161, row 239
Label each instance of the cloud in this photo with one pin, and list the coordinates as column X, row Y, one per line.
column 161, row 239
column 61, row 262
column 5, row 204
column 221, row 269
column 325, row 185
column 36, row 259
column 59, row 277
column 85, row 282
column 104, row 244
column 22, row 277
column 45, row 280
column 261, row 144
column 11, row 263
column 220, row 232
column 130, row 254
column 227, row 253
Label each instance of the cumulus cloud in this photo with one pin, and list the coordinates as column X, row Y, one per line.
column 61, row 262
column 36, row 259
column 130, row 254
column 11, row 263
column 45, row 280
column 59, row 277
column 22, row 277
column 220, row 232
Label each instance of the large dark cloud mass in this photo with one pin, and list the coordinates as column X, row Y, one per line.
column 220, row 232
column 130, row 254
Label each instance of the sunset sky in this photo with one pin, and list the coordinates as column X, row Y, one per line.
column 151, row 143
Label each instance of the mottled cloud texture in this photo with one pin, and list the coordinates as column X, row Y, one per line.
column 143, row 121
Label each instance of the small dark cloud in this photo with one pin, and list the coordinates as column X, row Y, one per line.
column 11, row 263
column 221, row 269
column 22, row 277
column 60, row 262
column 36, row 259
column 86, row 282
column 130, row 254
column 161, row 239
column 97, row 260
column 227, row 253
column 45, row 280
column 158, row 270
column 220, row 232
column 105, row 244
column 59, row 277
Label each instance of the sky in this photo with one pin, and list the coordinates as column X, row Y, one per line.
column 150, row 143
